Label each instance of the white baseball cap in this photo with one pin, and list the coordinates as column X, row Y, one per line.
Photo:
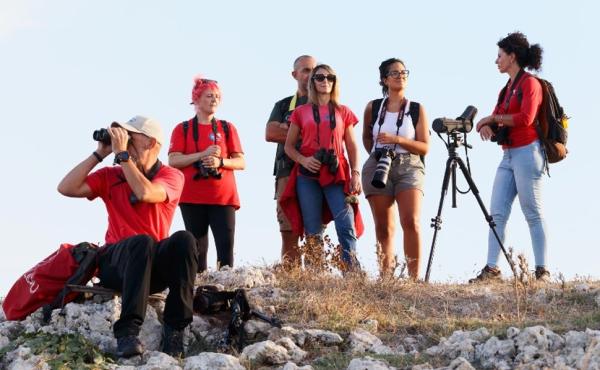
column 143, row 125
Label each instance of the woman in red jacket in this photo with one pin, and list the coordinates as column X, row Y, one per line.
column 208, row 150
column 513, row 125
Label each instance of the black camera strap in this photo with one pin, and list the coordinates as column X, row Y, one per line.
column 512, row 89
column 152, row 172
column 399, row 121
column 317, row 118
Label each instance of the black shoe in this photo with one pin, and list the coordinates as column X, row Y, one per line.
column 129, row 345
column 542, row 275
column 487, row 274
column 172, row 341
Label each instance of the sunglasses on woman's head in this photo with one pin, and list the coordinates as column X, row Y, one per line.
column 321, row 77
column 207, row 81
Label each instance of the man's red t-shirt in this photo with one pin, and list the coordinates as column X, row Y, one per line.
column 524, row 110
column 221, row 191
column 126, row 220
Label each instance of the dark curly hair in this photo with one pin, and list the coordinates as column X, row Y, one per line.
column 527, row 56
column 384, row 68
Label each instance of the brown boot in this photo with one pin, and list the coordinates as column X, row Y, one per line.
column 487, row 274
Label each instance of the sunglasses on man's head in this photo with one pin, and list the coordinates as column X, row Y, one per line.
column 321, row 77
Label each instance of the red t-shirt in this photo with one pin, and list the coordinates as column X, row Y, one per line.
column 311, row 141
column 319, row 136
column 126, row 220
column 524, row 111
column 207, row 191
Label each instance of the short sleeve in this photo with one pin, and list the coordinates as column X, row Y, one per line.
column 172, row 181
column 296, row 117
column 98, row 183
column 233, row 141
column 276, row 114
column 177, row 140
column 348, row 116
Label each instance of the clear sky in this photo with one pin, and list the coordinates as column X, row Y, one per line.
column 70, row 67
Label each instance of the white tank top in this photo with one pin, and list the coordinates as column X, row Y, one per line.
column 407, row 129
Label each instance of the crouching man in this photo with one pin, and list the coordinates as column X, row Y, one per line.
column 138, row 258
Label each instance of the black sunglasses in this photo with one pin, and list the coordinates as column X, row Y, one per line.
column 321, row 77
column 206, row 81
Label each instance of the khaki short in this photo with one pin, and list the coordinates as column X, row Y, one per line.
column 284, row 223
column 407, row 172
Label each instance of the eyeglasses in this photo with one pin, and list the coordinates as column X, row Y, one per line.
column 321, row 77
column 398, row 74
column 207, row 81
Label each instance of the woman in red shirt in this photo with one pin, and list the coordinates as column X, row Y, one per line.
column 513, row 125
column 208, row 150
column 322, row 175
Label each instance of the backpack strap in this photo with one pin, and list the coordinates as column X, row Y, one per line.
column 225, row 126
column 375, row 108
column 414, row 111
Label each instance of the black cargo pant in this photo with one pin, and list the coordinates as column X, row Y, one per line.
column 138, row 266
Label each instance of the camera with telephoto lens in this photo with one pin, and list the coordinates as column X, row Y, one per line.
column 384, row 157
column 203, row 172
column 501, row 134
column 102, row 136
column 328, row 158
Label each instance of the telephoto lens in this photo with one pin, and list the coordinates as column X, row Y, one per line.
column 102, row 135
column 380, row 176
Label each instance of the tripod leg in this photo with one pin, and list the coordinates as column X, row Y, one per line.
column 488, row 217
column 437, row 221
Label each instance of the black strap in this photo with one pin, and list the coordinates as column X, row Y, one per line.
column 413, row 109
column 502, row 96
column 186, row 125
column 317, row 118
column 399, row 121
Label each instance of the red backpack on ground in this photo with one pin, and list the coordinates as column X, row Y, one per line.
column 45, row 284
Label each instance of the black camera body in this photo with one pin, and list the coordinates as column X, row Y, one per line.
column 203, row 172
column 328, row 158
column 102, row 136
column 501, row 134
column 385, row 157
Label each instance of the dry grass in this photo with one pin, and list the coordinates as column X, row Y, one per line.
column 322, row 299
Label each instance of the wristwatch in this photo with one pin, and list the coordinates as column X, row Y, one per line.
column 221, row 163
column 122, row 157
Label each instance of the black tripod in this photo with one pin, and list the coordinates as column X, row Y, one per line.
column 454, row 141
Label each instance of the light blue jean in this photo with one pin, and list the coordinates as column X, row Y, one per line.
column 310, row 196
column 519, row 174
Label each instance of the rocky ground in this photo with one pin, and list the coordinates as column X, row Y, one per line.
column 81, row 337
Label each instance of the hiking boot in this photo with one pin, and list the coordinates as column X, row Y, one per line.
column 172, row 341
column 129, row 345
column 542, row 275
column 487, row 274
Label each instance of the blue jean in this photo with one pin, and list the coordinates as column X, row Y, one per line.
column 519, row 174
column 310, row 196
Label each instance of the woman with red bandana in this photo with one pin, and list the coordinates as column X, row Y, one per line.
column 208, row 150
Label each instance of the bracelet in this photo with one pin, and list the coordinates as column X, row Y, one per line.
column 355, row 171
column 98, row 156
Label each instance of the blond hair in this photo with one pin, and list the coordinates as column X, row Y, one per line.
column 334, row 96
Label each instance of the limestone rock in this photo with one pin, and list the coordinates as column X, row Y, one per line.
column 293, row 366
column 296, row 353
column 159, row 361
column 213, row 361
column 362, row 341
column 265, row 353
column 369, row 363
column 460, row 343
column 324, row 337
column 240, row 277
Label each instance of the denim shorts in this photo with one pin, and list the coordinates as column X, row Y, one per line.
column 407, row 172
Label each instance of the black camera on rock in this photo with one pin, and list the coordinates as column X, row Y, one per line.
column 203, row 172
column 328, row 158
column 384, row 157
column 501, row 134
column 102, row 136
